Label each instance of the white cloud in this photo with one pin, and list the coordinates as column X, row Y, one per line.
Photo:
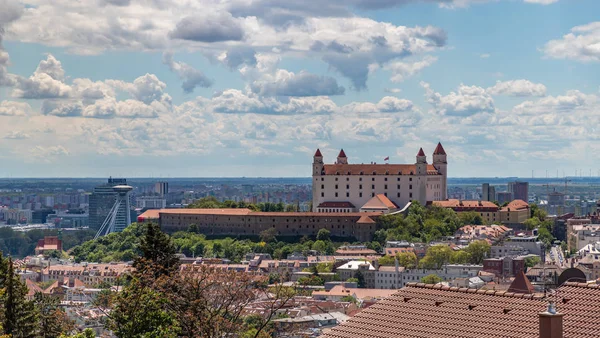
column 285, row 83
column 485, row 55
column 191, row 77
column 517, row 88
column 582, row 44
column 45, row 83
column 17, row 135
column 393, row 90
column 14, row 108
column 541, row 2
column 401, row 70
column 467, row 101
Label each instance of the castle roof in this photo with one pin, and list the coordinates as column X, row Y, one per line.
column 342, row 153
column 380, row 201
column 375, row 169
column 516, row 205
column 439, row 150
column 318, row 153
column 421, row 152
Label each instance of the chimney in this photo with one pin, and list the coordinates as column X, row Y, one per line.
column 551, row 322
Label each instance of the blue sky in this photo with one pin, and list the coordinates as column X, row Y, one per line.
column 253, row 87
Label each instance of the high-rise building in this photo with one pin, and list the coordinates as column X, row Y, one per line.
column 504, row 197
column 102, row 200
column 519, row 190
column 350, row 186
column 488, row 192
column 161, row 188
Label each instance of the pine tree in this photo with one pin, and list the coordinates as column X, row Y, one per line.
column 53, row 320
column 158, row 253
column 20, row 317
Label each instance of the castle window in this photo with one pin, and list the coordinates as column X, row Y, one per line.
column 336, row 186
column 360, row 194
column 360, row 186
column 348, row 178
column 385, row 179
column 322, row 179
column 336, row 177
column 373, row 179
column 398, row 194
column 385, row 187
column 347, row 194
column 398, row 187
column 410, row 187
column 336, row 194
column 372, row 194
column 410, row 179
column 322, row 194
column 372, row 186
column 347, row 186
column 410, row 195
column 360, row 179
column 322, row 186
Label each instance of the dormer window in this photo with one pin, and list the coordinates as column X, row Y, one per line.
column 337, row 172
column 349, row 173
column 387, row 172
column 361, row 173
column 374, row 173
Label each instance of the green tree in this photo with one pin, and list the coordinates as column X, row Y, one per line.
column 319, row 246
column 53, row 320
column 387, row 260
column 87, row 333
column 460, row 257
column 478, row 251
column 352, row 280
column 349, row 299
column 436, row 257
column 323, row 235
column 268, row 235
column 431, row 279
column 360, row 278
column 157, row 253
column 532, row 261
column 20, row 318
column 470, row 218
column 407, row 259
column 532, row 223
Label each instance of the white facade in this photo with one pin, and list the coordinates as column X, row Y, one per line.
column 358, row 183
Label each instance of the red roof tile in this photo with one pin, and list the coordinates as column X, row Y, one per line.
column 365, row 220
column 516, row 205
column 439, row 150
column 421, row 152
column 421, row 310
column 318, row 153
column 521, row 284
column 342, row 153
column 378, row 169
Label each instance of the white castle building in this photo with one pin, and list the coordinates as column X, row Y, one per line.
column 344, row 187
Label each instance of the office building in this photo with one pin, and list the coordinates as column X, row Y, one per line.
column 161, row 188
column 488, row 192
column 503, row 197
column 102, row 200
column 519, row 190
column 353, row 185
column 151, row 202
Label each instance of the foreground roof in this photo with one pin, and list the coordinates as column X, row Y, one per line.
column 424, row 310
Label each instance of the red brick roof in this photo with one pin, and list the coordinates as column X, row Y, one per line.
column 336, row 205
column 378, row 169
column 379, row 201
column 365, row 220
column 318, row 153
column 521, row 284
column 516, row 205
column 342, row 153
column 439, row 150
column 421, row 310
column 421, row 152
column 459, row 205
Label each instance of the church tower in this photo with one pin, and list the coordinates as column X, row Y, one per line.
column 421, row 163
column 342, row 159
column 440, row 163
column 316, row 182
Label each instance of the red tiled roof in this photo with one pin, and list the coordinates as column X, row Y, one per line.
column 467, row 205
column 32, row 288
column 421, row 310
column 439, row 150
column 421, row 152
column 365, row 220
column 318, row 153
column 521, row 284
column 336, row 205
column 342, row 153
column 379, row 201
column 378, row 169
column 516, row 205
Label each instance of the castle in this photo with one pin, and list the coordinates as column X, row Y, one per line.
column 344, row 187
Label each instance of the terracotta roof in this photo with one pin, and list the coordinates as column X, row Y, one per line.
column 421, row 310
column 439, row 150
column 32, row 288
column 421, row 152
column 516, row 205
column 318, row 153
column 359, row 293
column 378, row 169
column 466, row 205
column 342, row 153
column 336, row 205
column 355, row 252
column 379, row 201
column 225, row 211
column 364, row 219
column 521, row 284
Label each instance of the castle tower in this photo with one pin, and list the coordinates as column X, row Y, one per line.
column 421, row 163
column 316, row 182
column 342, row 159
column 440, row 163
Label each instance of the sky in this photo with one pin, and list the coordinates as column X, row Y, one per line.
column 230, row 88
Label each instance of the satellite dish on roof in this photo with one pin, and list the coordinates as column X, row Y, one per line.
column 572, row 275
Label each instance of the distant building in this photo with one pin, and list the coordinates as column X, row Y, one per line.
column 17, row 216
column 356, row 184
column 151, row 202
column 161, row 188
column 503, row 197
column 556, row 199
column 519, row 190
column 504, row 266
column 49, row 243
column 102, row 200
column 488, row 193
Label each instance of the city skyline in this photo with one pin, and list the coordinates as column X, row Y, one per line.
column 253, row 88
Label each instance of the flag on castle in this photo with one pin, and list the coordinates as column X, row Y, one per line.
column 386, row 159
